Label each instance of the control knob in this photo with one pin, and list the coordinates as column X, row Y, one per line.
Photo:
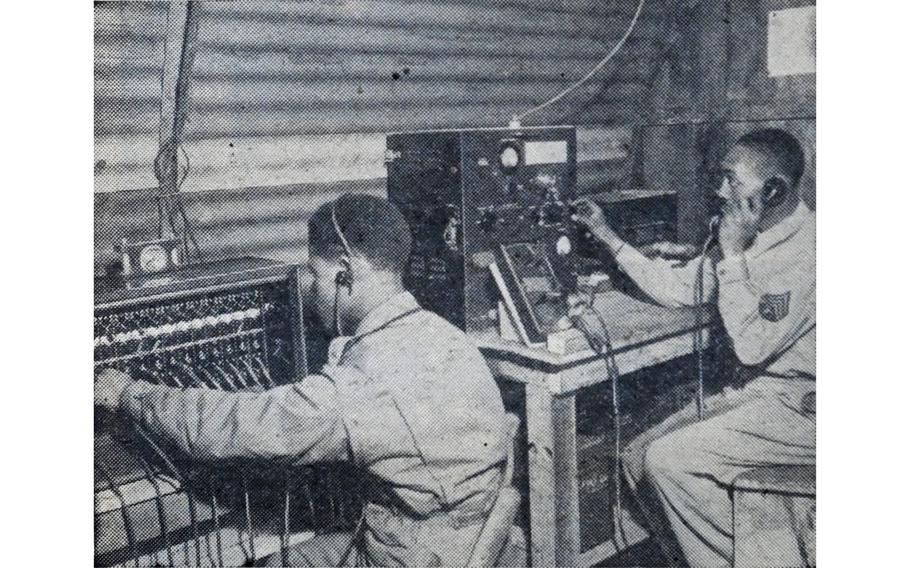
column 488, row 221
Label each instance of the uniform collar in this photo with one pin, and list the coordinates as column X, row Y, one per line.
column 782, row 231
column 394, row 307
column 385, row 312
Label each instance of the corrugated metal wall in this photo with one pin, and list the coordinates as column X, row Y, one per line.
column 129, row 53
column 298, row 94
column 329, row 67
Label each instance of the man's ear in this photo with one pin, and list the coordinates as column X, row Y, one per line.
column 344, row 278
column 775, row 191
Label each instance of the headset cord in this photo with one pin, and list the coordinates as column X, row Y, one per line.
column 355, row 538
column 335, row 311
column 699, row 343
column 604, row 347
column 184, row 481
column 359, row 528
column 700, row 318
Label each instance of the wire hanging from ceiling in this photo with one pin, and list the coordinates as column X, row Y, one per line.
column 516, row 120
column 172, row 164
column 172, row 167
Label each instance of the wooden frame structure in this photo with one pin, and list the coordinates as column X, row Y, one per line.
column 644, row 335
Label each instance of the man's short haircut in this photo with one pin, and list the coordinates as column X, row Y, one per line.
column 374, row 229
column 779, row 146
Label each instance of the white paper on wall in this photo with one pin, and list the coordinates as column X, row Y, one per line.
column 791, row 41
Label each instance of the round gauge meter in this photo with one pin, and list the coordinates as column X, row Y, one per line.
column 509, row 157
column 153, row 258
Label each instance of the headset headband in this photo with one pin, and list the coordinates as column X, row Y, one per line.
column 344, row 241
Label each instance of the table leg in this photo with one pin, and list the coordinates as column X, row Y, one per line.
column 541, row 475
column 568, row 525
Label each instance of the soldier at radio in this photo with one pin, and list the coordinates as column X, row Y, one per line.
column 405, row 396
column 762, row 279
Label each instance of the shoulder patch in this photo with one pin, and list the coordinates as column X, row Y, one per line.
column 774, row 307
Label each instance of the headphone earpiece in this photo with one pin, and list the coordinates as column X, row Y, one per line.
column 345, row 278
column 775, row 191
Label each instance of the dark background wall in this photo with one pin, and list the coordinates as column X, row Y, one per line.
column 714, row 86
column 289, row 101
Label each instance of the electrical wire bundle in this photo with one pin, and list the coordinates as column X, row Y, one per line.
column 172, row 167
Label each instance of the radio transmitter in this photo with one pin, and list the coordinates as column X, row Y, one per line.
column 465, row 193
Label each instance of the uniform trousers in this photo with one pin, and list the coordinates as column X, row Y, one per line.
column 389, row 539
column 690, row 464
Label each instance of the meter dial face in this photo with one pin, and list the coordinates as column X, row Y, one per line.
column 153, row 258
column 509, row 158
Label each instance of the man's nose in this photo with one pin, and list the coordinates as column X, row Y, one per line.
column 724, row 191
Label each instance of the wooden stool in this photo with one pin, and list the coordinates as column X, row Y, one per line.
column 774, row 516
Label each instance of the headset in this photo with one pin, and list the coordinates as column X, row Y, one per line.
column 775, row 191
column 345, row 277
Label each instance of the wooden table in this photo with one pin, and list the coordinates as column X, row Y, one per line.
column 643, row 335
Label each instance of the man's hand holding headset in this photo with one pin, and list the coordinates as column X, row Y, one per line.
column 739, row 225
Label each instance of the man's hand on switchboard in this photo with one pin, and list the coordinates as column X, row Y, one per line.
column 109, row 387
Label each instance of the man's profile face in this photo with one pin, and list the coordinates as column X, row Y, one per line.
column 743, row 177
column 322, row 273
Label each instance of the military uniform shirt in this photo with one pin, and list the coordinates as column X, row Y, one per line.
column 766, row 297
column 408, row 398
